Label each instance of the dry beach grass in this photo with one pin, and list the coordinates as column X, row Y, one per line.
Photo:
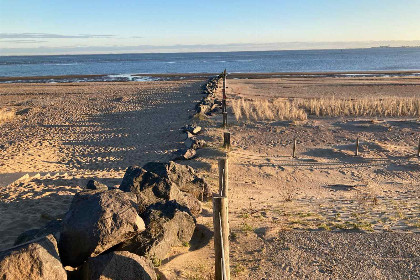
column 299, row 109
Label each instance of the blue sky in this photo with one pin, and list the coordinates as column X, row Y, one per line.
column 93, row 26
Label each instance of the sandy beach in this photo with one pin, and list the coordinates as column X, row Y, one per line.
column 66, row 134
column 292, row 218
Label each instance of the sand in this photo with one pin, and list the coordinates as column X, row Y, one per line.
column 70, row 133
column 323, row 215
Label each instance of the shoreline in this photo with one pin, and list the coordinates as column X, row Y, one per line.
column 180, row 76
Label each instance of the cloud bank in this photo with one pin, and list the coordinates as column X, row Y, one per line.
column 42, row 50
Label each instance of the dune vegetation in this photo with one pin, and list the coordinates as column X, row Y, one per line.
column 300, row 109
column 6, row 114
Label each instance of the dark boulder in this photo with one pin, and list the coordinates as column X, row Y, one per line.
column 167, row 224
column 118, row 265
column 95, row 222
column 184, row 154
column 203, row 109
column 36, row 260
column 137, row 179
column 192, row 129
column 183, row 176
column 95, row 185
column 194, row 143
column 151, row 188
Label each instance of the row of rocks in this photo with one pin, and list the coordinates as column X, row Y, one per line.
column 209, row 104
column 107, row 233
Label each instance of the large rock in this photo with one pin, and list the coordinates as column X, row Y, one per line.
column 96, row 221
column 151, row 188
column 184, row 154
column 194, row 143
column 95, row 185
column 148, row 187
column 167, row 224
column 183, row 176
column 36, row 260
column 118, row 265
column 203, row 109
column 194, row 130
column 137, row 179
column 52, row 227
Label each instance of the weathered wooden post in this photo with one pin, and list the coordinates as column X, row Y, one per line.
column 294, row 149
column 226, row 140
column 223, row 177
column 357, row 147
column 221, row 237
column 224, row 119
column 224, row 109
column 224, row 84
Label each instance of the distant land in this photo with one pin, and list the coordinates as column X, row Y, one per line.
column 40, row 49
column 395, row 47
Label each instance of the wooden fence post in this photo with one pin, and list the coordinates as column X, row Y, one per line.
column 357, row 147
column 223, row 177
column 294, row 149
column 221, row 237
column 226, row 140
column 224, row 84
column 224, row 119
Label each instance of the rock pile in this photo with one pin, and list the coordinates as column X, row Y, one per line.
column 110, row 233
column 208, row 105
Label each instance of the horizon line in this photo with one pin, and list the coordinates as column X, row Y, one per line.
column 207, row 48
column 273, row 50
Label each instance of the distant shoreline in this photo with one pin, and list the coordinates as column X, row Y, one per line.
column 208, row 51
column 180, row 76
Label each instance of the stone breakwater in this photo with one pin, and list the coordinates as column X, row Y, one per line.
column 115, row 232
column 208, row 105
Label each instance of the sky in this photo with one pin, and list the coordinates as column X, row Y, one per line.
column 93, row 26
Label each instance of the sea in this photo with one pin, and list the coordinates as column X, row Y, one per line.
column 125, row 66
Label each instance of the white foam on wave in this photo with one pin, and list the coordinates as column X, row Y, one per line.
column 128, row 77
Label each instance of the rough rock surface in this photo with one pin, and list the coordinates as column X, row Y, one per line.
column 118, row 265
column 95, row 185
column 137, row 179
column 194, row 130
column 167, row 224
column 184, row 176
column 194, row 143
column 52, row 227
column 151, row 188
column 96, row 221
column 36, row 260
column 184, row 154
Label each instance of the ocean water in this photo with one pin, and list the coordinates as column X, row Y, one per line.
column 122, row 65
